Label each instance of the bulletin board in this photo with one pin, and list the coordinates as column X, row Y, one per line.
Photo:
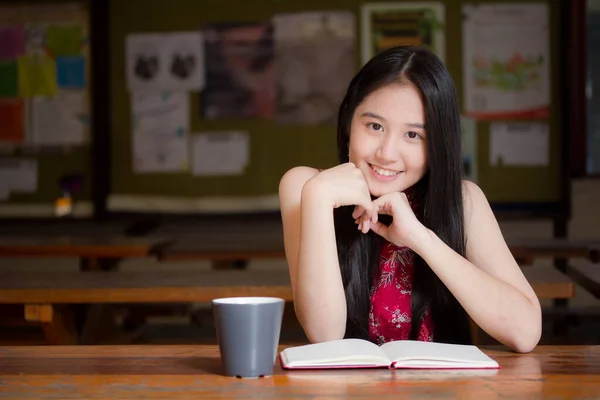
column 277, row 147
column 47, row 46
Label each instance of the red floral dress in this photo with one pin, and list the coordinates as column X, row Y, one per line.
column 390, row 312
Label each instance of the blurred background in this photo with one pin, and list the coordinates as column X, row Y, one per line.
column 142, row 143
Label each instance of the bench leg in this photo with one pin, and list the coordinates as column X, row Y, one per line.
column 58, row 324
column 99, row 323
column 226, row 265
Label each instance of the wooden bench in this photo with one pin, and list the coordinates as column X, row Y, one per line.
column 586, row 274
column 45, row 295
column 93, row 251
column 526, row 250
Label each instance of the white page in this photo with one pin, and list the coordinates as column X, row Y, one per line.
column 59, row 120
column 519, row 143
column 506, row 60
column 340, row 351
column 183, row 56
column 220, row 153
column 425, row 353
column 160, row 124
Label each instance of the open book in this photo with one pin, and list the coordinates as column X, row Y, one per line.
column 358, row 353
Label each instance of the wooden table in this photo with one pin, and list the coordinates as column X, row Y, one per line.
column 176, row 372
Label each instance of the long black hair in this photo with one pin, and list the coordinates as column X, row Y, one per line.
column 438, row 194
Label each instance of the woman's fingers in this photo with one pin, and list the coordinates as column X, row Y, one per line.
column 358, row 212
column 380, row 229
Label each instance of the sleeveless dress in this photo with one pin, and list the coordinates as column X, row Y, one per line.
column 390, row 315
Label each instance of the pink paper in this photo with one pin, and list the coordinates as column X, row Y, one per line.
column 12, row 43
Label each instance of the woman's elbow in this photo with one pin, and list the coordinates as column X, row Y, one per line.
column 526, row 344
column 320, row 329
column 529, row 336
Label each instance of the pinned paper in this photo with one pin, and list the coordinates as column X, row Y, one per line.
column 240, row 71
column 59, row 120
column 71, row 72
column 221, row 153
column 11, row 42
column 64, row 40
column 173, row 61
column 18, row 176
column 37, row 76
column 11, row 121
column 144, row 66
column 8, row 79
column 25, row 176
column 160, row 131
column 35, row 38
column 184, row 55
column 506, row 60
column 519, row 144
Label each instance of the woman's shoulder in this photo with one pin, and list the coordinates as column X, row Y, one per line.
column 475, row 203
column 293, row 181
column 472, row 193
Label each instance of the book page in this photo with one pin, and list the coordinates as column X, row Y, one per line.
column 409, row 353
column 345, row 352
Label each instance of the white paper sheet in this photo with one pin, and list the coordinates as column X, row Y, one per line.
column 506, row 60
column 18, row 176
column 170, row 61
column 5, row 182
column 160, row 124
column 160, row 153
column 519, row 144
column 221, row 153
column 184, row 54
column 59, row 120
column 25, row 176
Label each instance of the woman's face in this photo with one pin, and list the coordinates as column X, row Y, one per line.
column 388, row 139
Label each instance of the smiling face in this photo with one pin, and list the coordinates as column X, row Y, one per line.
column 387, row 139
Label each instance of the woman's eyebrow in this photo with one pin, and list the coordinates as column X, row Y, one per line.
column 373, row 115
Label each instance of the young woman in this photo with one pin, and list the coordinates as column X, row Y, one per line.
column 392, row 244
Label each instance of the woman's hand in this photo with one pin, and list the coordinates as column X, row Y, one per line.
column 342, row 185
column 405, row 227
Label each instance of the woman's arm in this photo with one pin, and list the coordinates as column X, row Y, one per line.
column 307, row 199
column 488, row 283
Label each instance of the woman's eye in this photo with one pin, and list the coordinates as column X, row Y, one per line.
column 376, row 127
column 413, row 135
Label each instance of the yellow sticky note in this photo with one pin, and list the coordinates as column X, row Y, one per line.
column 37, row 76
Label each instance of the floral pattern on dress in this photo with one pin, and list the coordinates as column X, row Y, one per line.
column 390, row 312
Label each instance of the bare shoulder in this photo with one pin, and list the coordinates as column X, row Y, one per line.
column 476, row 206
column 472, row 193
column 474, row 200
column 292, row 182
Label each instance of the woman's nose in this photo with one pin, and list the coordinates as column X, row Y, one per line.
column 388, row 150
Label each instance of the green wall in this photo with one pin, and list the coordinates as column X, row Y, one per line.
column 276, row 148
